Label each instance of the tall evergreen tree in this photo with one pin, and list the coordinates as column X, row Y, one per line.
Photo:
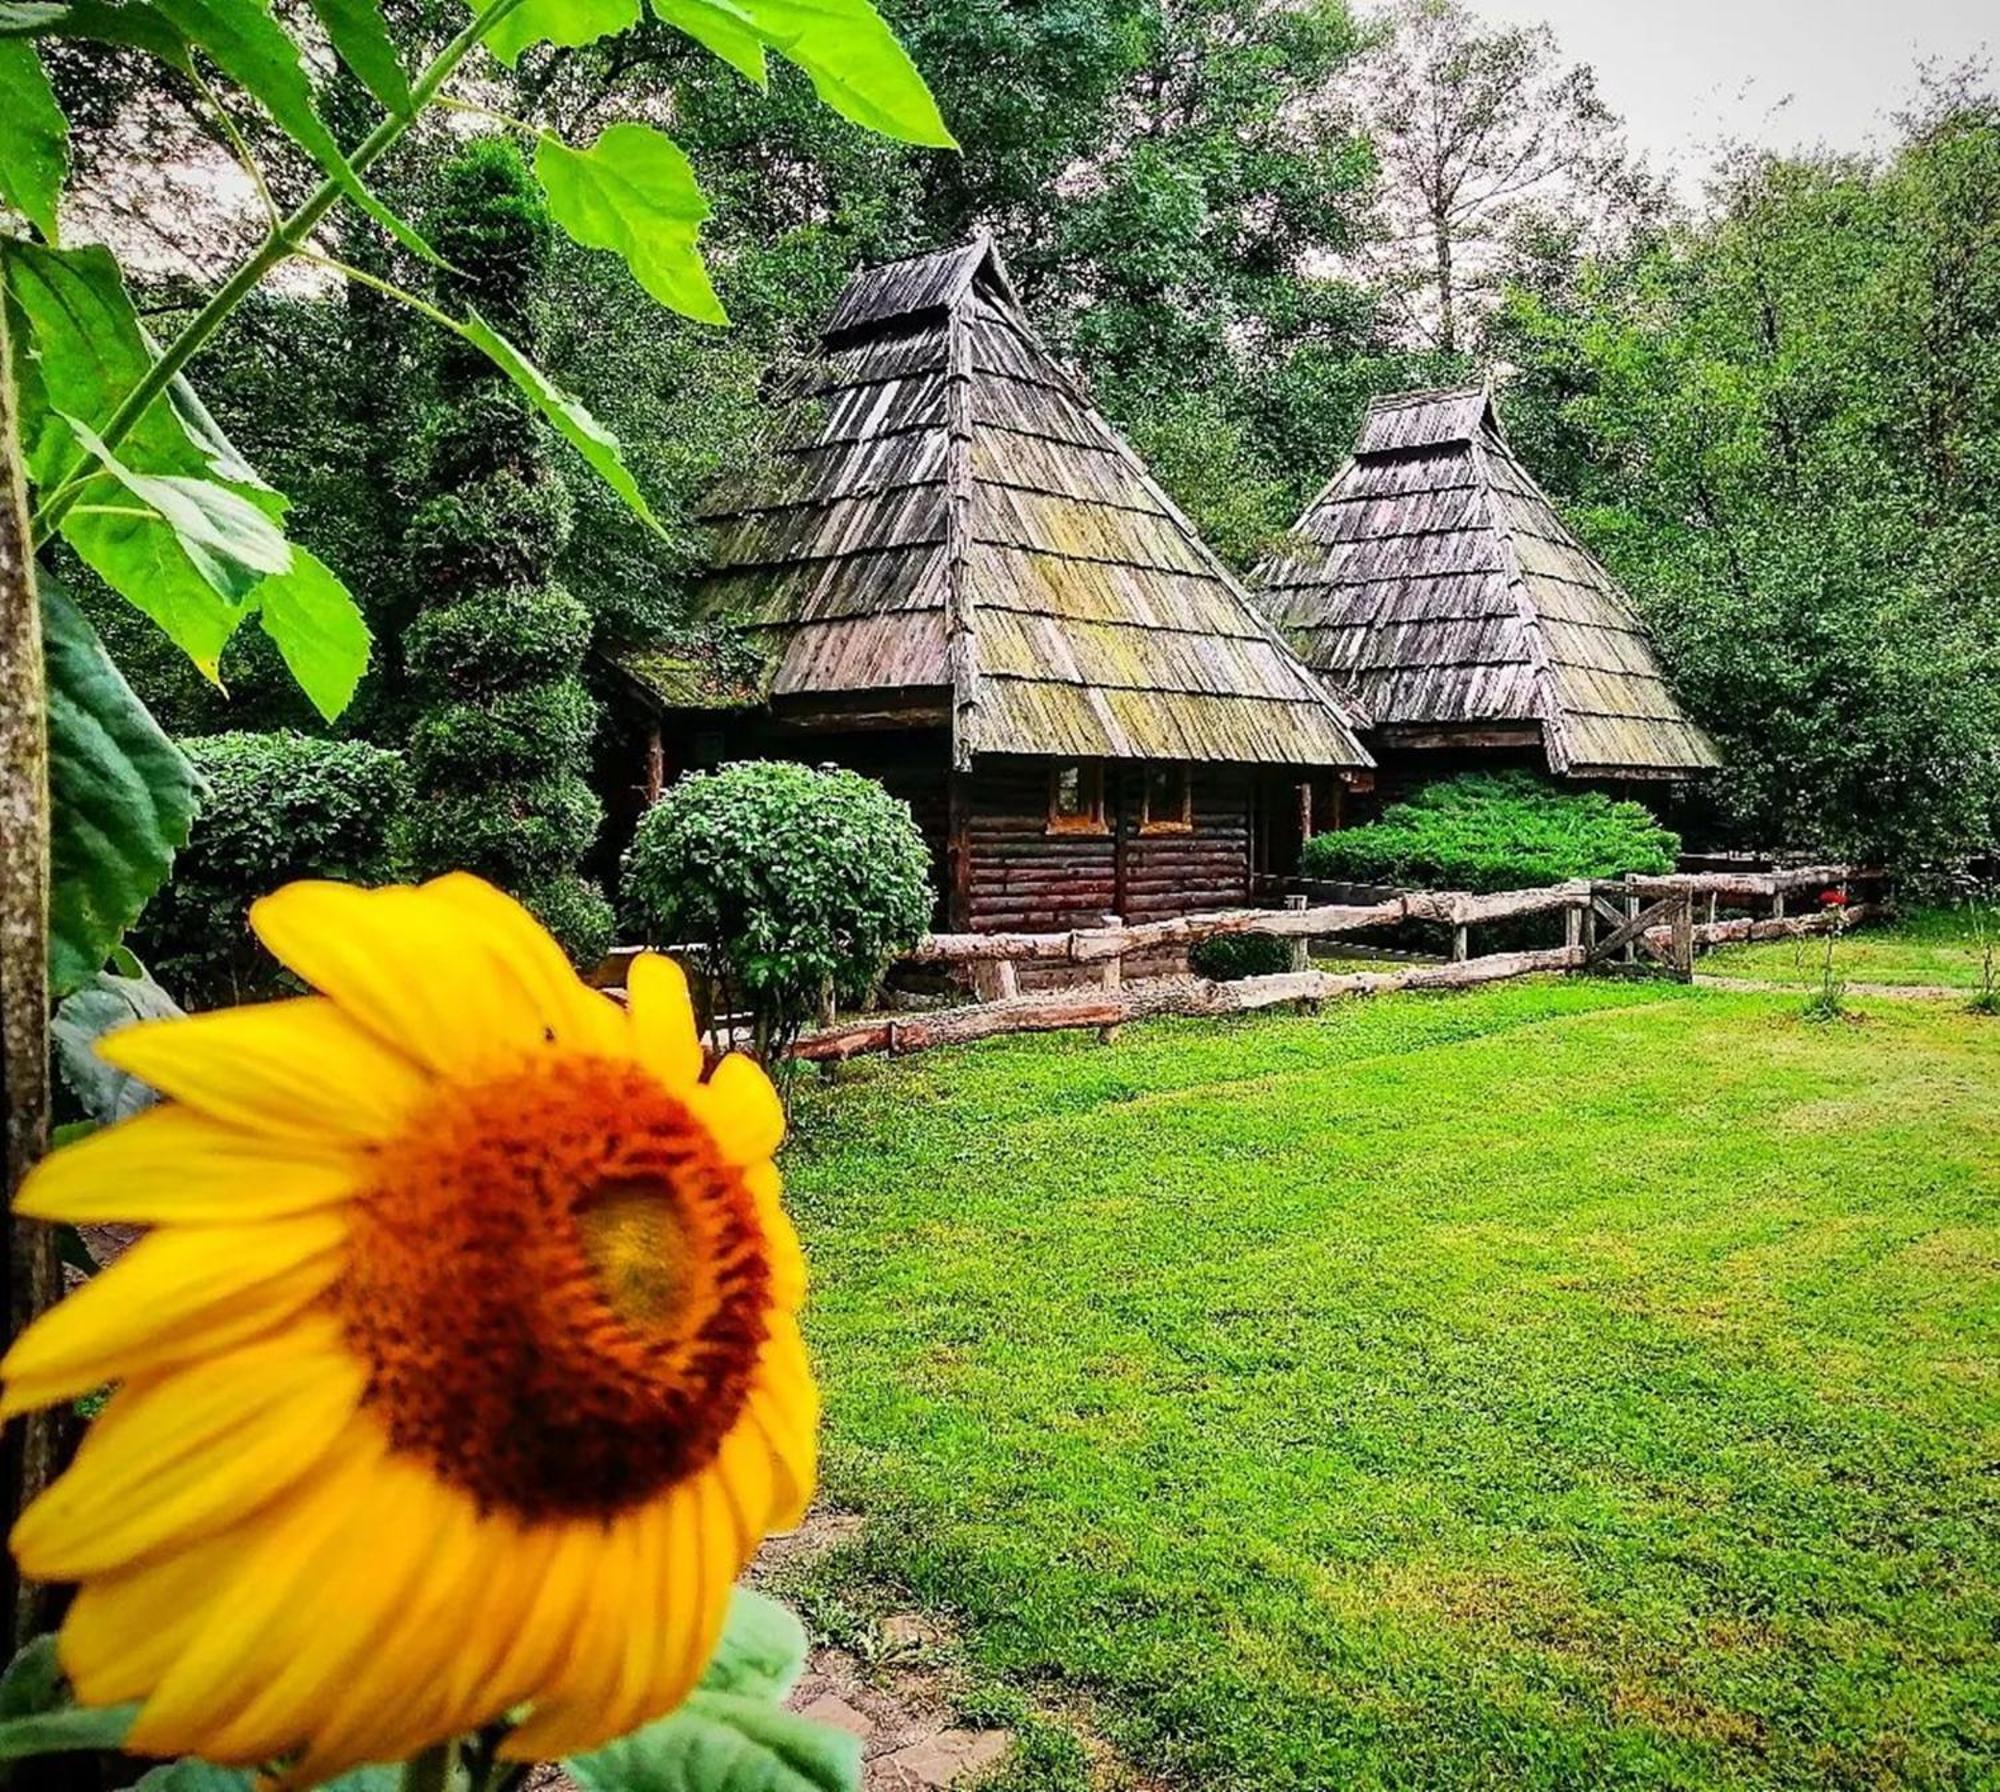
column 497, row 751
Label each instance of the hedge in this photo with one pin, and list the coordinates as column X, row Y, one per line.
column 1495, row 831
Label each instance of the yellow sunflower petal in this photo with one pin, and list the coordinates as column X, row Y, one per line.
column 178, row 1293
column 663, row 1020
column 784, row 1408
column 781, row 1239
column 177, row 1457
column 493, row 1667
column 171, row 1164
column 702, row 1569
column 742, row 1110
column 322, row 1578
column 387, row 1702
column 555, row 1604
column 574, row 1015
column 572, row 1695
column 747, row 1474
column 123, row 1632
column 297, row 1067
column 409, row 968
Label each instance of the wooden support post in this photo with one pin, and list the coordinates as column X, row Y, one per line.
column 1111, row 973
column 1631, row 915
column 1573, row 924
column 1458, row 943
column 1683, row 942
column 993, row 980
column 1302, row 945
column 1777, row 905
column 1713, row 900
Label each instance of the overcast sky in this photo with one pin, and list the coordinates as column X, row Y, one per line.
column 1782, row 73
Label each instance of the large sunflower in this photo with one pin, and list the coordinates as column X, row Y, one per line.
column 459, row 1371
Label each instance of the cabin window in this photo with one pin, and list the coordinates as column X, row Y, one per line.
column 1076, row 797
column 1169, row 803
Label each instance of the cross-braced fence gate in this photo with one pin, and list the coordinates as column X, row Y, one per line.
column 1621, row 932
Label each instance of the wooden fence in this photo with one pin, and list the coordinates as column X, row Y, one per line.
column 1634, row 923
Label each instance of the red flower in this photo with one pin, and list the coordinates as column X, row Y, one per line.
column 1833, row 898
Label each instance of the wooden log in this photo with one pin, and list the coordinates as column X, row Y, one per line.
column 993, row 980
column 1185, row 996
column 1787, row 927
column 1459, row 943
column 1111, row 973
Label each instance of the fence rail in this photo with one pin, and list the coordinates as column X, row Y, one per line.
column 1629, row 923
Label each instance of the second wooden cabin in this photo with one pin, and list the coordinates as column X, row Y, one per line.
column 1434, row 580
column 956, row 577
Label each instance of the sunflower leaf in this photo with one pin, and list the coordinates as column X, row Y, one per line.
column 32, row 1681
column 314, row 620
column 762, row 1652
column 358, row 33
column 37, row 1716
column 722, row 1742
column 122, row 797
column 102, row 1006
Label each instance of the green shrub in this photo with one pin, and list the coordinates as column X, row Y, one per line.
column 278, row 807
column 1486, row 831
column 500, row 743
column 796, row 880
column 1232, row 955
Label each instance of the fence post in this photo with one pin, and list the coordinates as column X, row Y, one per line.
column 1573, row 923
column 1458, row 943
column 1631, row 915
column 993, row 980
column 1111, row 973
column 1684, row 937
column 1301, row 945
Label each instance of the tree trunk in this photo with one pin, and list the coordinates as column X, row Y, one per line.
column 1447, row 297
column 32, row 1447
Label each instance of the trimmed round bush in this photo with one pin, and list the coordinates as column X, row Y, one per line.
column 502, row 532
column 1495, row 831
column 1232, row 955
column 277, row 807
column 798, row 881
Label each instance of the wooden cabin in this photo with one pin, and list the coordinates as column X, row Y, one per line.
column 956, row 577
column 1434, row 581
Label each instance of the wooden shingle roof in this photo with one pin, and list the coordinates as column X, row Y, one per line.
column 947, row 512
column 1434, row 579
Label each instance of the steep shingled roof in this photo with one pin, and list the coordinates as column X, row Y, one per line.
column 1434, row 579
column 948, row 512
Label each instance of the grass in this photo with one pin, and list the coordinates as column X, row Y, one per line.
column 1561, row 1385
column 1938, row 948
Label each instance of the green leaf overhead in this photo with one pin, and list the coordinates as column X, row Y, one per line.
column 634, row 192
column 313, row 619
column 232, row 543
column 721, row 1742
column 571, row 421
column 89, row 351
column 570, row 23
column 24, row 18
column 722, row 30
column 34, row 137
column 358, row 33
column 260, row 56
column 121, row 798
column 856, row 65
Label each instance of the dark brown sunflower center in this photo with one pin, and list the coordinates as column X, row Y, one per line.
column 560, row 1289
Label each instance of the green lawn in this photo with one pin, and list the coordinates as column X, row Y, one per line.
column 1562, row 1385
column 1936, row 947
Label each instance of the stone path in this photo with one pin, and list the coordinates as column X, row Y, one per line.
column 1915, row 992
column 897, row 1695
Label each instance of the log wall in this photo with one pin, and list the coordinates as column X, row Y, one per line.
column 1025, row 879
